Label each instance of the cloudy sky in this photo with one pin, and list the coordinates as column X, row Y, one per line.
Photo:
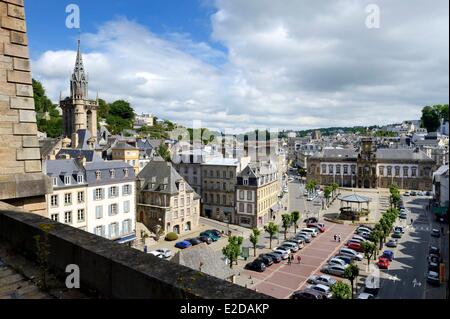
column 292, row 64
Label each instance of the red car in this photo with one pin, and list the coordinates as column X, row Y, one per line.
column 383, row 263
column 355, row 246
column 320, row 227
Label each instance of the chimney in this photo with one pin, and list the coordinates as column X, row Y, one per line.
column 74, row 140
column 81, row 160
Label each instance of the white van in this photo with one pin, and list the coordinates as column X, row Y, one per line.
column 312, row 231
column 351, row 253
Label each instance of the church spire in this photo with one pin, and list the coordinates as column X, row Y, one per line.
column 79, row 83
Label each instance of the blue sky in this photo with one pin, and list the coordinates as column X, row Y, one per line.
column 47, row 30
column 248, row 64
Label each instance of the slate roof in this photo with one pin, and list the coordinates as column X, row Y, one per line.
column 401, row 154
column 160, row 176
column 47, row 146
column 354, row 198
column 62, row 168
column 82, row 149
column 104, row 167
column 123, row 146
column 258, row 169
column 337, row 153
column 213, row 262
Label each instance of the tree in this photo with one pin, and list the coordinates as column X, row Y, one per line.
column 48, row 119
column 302, row 172
column 369, row 250
column 254, row 238
column 120, row 116
column 286, row 219
column 341, row 290
column 233, row 249
column 163, row 151
column 295, row 217
column 334, row 188
column 376, row 237
column 271, row 229
column 310, row 186
column 327, row 193
column 351, row 273
column 103, row 109
column 431, row 117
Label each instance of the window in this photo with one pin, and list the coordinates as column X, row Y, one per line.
column 217, row 174
column 99, row 231
column 126, row 226
column 389, row 170
column 55, row 181
column 98, row 193
column 99, row 212
column 217, row 199
column 381, row 170
column 113, row 192
column 245, row 181
column 68, row 199
column 405, row 171
column 112, row 210
column 54, row 200
column 224, row 199
column 195, row 180
column 353, row 169
column 338, row 169
column 241, row 207
column 80, row 179
column 241, row 195
column 68, row 217
column 55, row 217
column 224, row 174
column 345, row 169
column 80, row 197
column 249, row 209
column 188, row 211
column 414, row 172
column 397, row 171
column 231, row 175
column 112, row 173
column 126, row 190
column 182, row 212
column 188, row 200
column 175, row 202
column 224, row 186
column 125, row 172
column 98, row 175
column 67, row 180
column 126, row 206
column 113, row 230
column 81, row 215
column 330, row 169
column 249, row 195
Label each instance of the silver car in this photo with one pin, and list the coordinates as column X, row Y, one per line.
column 322, row 279
column 336, row 270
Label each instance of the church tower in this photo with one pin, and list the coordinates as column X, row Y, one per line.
column 79, row 113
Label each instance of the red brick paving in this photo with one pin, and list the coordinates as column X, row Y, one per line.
column 281, row 280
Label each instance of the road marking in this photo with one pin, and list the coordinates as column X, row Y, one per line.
column 416, row 283
column 393, row 278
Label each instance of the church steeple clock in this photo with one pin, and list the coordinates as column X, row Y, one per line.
column 367, row 164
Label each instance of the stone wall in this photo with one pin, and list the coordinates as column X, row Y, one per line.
column 21, row 180
column 111, row 270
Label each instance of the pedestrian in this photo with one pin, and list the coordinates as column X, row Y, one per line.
column 299, row 259
column 289, row 260
column 335, row 236
column 339, row 237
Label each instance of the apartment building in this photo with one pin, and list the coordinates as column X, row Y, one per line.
column 111, row 200
column 122, row 151
column 257, row 193
column 165, row 199
column 68, row 203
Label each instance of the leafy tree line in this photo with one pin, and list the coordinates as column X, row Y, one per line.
column 119, row 115
column 432, row 116
column 48, row 118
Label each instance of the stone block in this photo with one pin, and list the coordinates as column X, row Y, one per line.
column 19, row 77
column 19, row 38
column 30, row 141
column 27, row 116
column 16, row 2
column 22, row 64
column 7, row 88
column 13, row 24
column 6, row 128
column 25, row 103
column 24, row 90
column 7, row 154
column 25, row 129
column 16, row 11
column 28, row 154
column 10, row 141
column 16, row 50
column 33, row 166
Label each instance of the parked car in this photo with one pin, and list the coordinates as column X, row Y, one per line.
column 194, row 241
column 304, row 236
column 435, row 233
column 183, row 244
column 362, row 229
column 266, row 260
column 337, row 261
column 312, row 231
column 206, row 239
column 215, row 232
column 293, row 246
column 307, row 294
column 407, row 194
column 299, row 242
column 347, row 259
column 397, row 234
column 288, row 248
column 322, row 279
column 389, row 254
column 324, row 290
column 354, row 241
column 420, row 193
column 163, row 253
column 256, row 265
column 365, row 295
column 276, row 258
column 351, row 253
column 282, row 253
column 403, row 215
column 359, row 237
column 433, row 263
column 210, row 235
column 383, row 263
column 428, row 193
column 311, row 220
column 355, row 246
column 318, row 226
column 156, row 254
column 400, row 229
column 336, row 270
column 434, row 251
column 392, row 243
column 413, row 193
column 433, row 278
column 365, row 235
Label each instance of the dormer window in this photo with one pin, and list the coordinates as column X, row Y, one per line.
column 67, row 180
column 112, row 173
column 98, row 175
column 125, row 172
column 80, row 179
column 55, row 181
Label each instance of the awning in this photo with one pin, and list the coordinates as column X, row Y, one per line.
column 126, row 239
column 440, row 210
column 275, row 208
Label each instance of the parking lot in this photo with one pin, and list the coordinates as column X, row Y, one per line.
column 281, row 280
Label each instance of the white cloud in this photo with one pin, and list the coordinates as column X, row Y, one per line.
column 290, row 64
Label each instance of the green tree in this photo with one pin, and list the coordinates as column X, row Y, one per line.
column 271, row 229
column 163, row 151
column 233, row 249
column 295, row 217
column 48, row 119
column 120, row 117
column 369, row 249
column 103, row 109
column 327, row 193
column 341, row 290
column 431, row 116
column 351, row 273
column 254, row 238
column 286, row 220
column 302, row 172
column 310, row 186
